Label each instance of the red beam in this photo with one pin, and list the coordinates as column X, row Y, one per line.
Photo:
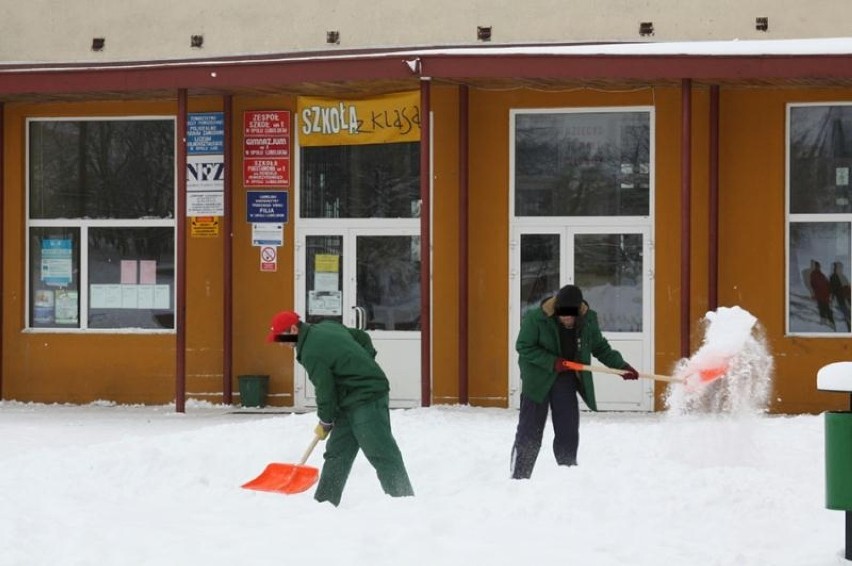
column 640, row 67
column 234, row 74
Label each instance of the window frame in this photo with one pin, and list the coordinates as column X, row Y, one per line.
column 84, row 224
column 791, row 218
column 589, row 220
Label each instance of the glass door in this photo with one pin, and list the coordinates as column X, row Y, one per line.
column 369, row 279
column 610, row 264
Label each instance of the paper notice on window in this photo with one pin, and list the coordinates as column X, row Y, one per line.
column 162, row 296
column 329, row 263
column 147, row 272
column 325, row 303
column 43, row 306
column 145, row 297
column 129, row 268
column 326, row 281
column 129, row 296
column 66, row 307
column 105, row 296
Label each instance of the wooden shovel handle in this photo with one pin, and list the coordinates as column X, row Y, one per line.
column 309, row 450
column 603, row 369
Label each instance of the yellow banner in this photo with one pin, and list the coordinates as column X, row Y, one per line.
column 390, row 118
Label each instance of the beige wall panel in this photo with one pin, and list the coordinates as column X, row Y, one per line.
column 49, row 31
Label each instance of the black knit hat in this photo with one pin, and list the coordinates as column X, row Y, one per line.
column 568, row 301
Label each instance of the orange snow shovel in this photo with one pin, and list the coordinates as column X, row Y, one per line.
column 287, row 478
column 603, row 369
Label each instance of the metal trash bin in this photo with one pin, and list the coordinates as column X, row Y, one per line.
column 838, row 461
column 838, row 445
column 253, row 390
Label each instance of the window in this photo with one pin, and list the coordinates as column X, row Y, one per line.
column 101, row 223
column 819, row 221
column 361, row 181
column 582, row 163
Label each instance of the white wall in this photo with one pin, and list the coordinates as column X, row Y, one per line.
column 62, row 30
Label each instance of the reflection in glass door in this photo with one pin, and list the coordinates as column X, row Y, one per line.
column 369, row 279
column 609, row 266
column 388, row 282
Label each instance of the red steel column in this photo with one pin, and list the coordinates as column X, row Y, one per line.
column 227, row 275
column 180, row 294
column 2, row 228
column 685, row 211
column 713, row 220
column 425, row 247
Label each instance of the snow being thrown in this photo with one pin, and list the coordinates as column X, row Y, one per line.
column 735, row 345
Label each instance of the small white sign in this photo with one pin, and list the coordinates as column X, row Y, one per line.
column 325, row 303
column 205, row 203
column 267, row 234
column 205, row 173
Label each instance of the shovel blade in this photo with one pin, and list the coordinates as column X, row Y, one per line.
column 284, row 478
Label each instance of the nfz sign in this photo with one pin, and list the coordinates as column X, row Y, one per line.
column 205, row 172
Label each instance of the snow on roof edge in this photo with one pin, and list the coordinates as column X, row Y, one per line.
column 752, row 47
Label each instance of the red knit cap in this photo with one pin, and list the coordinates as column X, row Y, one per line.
column 281, row 322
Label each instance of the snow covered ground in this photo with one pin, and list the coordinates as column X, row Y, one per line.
column 119, row 485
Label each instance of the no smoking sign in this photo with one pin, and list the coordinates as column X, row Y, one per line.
column 268, row 258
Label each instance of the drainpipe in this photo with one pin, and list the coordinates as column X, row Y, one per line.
column 464, row 203
column 685, row 210
column 713, row 220
column 425, row 247
column 227, row 276
column 180, row 295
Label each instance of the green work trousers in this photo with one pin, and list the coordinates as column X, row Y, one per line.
column 366, row 427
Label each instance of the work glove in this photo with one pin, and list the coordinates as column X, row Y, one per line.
column 323, row 429
column 629, row 372
column 562, row 365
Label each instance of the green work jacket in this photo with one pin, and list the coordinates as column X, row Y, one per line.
column 538, row 349
column 341, row 365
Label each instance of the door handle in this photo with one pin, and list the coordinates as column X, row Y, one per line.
column 360, row 318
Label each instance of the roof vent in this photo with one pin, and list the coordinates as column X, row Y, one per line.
column 196, row 41
column 98, row 43
column 646, row 28
column 483, row 33
column 332, row 37
column 761, row 24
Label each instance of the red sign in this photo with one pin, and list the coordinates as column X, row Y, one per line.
column 266, row 172
column 266, row 148
column 268, row 258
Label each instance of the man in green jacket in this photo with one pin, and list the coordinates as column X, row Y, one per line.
column 563, row 328
column 352, row 402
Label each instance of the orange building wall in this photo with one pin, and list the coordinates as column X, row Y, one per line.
column 444, row 101
column 489, row 228
column 62, row 367
column 133, row 368
column 258, row 295
column 752, row 239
